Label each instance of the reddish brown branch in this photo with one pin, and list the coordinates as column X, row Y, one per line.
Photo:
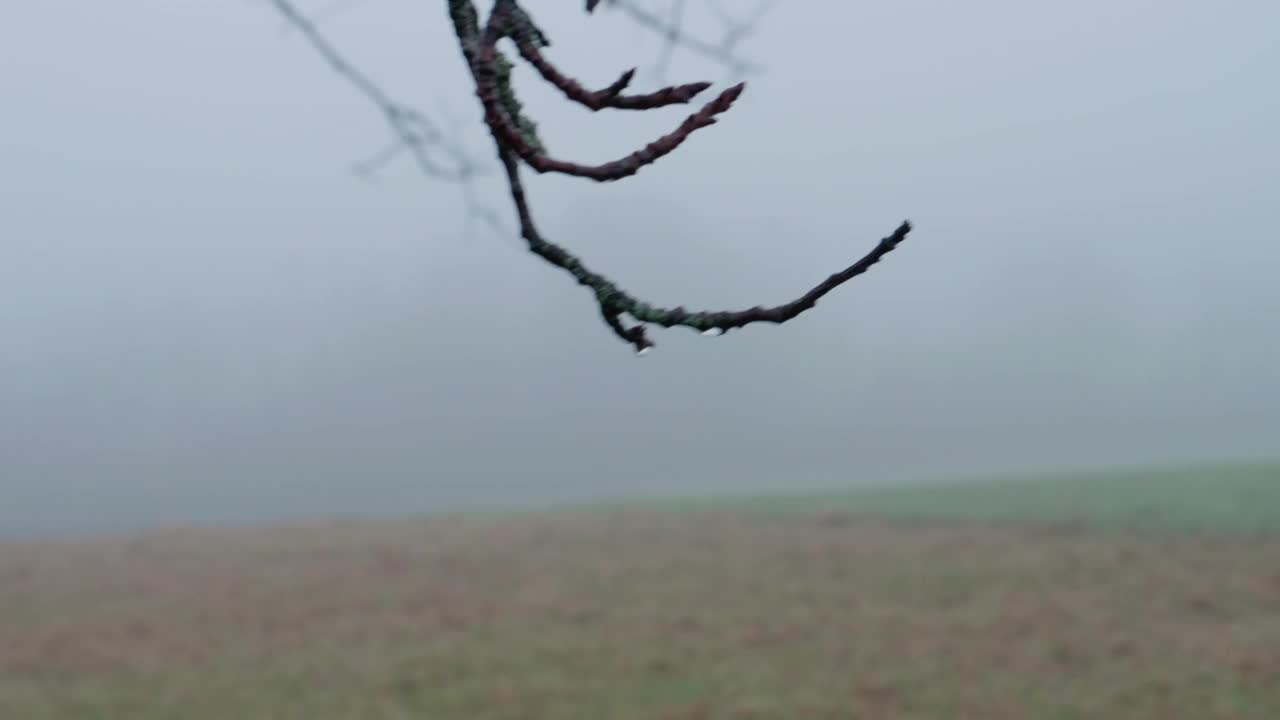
column 515, row 139
column 611, row 96
column 487, row 69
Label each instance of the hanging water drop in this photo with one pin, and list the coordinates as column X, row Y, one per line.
column 644, row 351
column 713, row 332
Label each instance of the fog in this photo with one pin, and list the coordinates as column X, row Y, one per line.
column 208, row 318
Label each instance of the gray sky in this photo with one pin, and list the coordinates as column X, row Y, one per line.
column 207, row 317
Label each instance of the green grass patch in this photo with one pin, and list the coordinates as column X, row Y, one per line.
column 1238, row 498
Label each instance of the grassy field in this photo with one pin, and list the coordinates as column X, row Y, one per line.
column 820, row 607
column 1234, row 499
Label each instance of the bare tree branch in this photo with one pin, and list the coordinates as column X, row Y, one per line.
column 516, row 141
column 427, row 136
column 611, row 96
column 674, row 35
column 414, row 131
column 519, row 137
column 671, row 38
column 735, row 30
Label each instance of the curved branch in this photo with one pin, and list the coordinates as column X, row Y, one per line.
column 487, row 67
column 614, row 303
column 611, row 96
column 490, row 73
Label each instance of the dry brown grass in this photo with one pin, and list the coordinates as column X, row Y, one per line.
column 641, row 615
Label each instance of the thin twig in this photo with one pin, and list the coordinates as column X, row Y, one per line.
column 414, row 131
column 675, row 35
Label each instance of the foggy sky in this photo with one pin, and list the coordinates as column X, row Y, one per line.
column 207, row 317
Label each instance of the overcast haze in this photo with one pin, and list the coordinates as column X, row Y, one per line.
column 208, row 318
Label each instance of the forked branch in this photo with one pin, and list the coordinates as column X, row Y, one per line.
column 516, row 141
column 412, row 130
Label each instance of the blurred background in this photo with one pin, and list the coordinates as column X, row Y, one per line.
column 208, row 318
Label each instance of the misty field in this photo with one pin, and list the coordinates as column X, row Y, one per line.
column 1000, row 600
